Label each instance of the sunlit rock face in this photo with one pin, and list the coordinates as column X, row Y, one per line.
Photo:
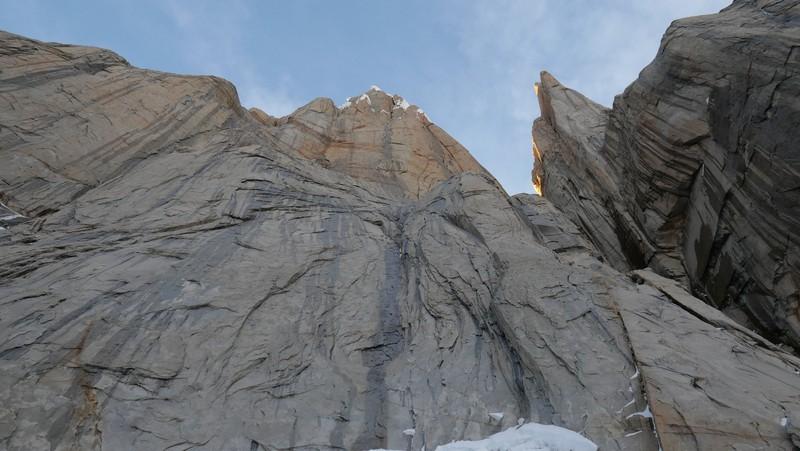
column 183, row 273
column 377, row 137
column 695, row 171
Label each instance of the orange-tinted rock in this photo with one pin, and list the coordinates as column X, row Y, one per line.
column 380, row 138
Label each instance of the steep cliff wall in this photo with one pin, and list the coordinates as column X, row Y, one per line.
column 184, row 273
column 695, row 171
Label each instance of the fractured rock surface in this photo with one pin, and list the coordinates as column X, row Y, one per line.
column 695, row 171
column 377, row 137
column 185, row 273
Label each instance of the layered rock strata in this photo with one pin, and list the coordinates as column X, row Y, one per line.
column 695, row 170
column 185, row 273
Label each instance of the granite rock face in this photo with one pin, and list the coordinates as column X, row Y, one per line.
column 377, row 137
column 551, row 226
column 178, row 272
column 695, row 171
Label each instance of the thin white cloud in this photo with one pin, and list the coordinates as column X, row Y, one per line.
column 596, row 48
column 274, row 99
column 213, row 36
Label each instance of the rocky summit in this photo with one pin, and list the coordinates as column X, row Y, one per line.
column 178, row 272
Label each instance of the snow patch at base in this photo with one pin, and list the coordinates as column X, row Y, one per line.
column 528, row 437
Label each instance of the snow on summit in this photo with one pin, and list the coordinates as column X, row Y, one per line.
column 399, row 103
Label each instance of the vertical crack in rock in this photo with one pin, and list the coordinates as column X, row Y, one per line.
column 388, row 344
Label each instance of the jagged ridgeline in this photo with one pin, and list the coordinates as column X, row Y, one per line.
column 177, row 272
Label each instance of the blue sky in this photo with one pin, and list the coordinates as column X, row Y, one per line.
column 470, row 64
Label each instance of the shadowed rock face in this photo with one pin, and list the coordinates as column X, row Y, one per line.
column 695, row 171
column 180, row 272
